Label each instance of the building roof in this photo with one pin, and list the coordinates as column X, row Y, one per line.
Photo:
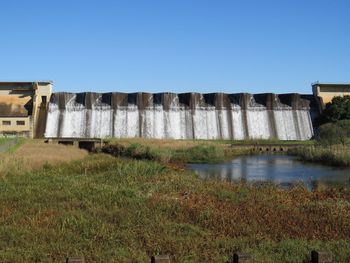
column 329, row 84
column 27, row 82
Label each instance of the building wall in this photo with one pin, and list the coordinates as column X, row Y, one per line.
column 328, row 91
column 23, row 107
column 20, row 124
column 41, row 100
column 15, row 99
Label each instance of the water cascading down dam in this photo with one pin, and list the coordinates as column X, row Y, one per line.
column 179, row 116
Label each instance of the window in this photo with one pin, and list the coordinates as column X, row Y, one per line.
column 6, row 122
column 20, row 122
column 43, row 99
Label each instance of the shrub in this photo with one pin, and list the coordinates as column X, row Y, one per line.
column 337, row 109
column 335, row 155
column 345, row 125
column 331, row 134
column 201, row 154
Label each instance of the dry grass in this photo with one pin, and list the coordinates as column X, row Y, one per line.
column 161, row 143
column 33, row 154
column 335, row 155
column 121, row 210
column 172, row 151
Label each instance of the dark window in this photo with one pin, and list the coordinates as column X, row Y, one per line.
column 43, row 99
column 20, row 122
column 6, row 122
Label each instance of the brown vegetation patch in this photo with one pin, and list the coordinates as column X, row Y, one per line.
column 162, row 143
column 239, row 211
column 33, row 154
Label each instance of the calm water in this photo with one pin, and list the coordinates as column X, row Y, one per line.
column 280, row 169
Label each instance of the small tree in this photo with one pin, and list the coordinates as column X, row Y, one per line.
column 331, row 134
column 345, row 125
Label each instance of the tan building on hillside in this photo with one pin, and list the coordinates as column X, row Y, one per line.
column 327, row 91
column 23, row 107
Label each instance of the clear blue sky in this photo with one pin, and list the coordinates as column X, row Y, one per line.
column 176, row 45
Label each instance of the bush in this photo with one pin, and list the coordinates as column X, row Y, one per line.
column 331, row 134
column 338, row 109
column 195, row 154
column 345, row 125
column 335, row 155
column 201, row 154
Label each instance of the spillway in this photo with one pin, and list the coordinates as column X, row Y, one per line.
column 179, row 116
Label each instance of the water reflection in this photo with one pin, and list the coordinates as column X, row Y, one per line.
column 280, row 169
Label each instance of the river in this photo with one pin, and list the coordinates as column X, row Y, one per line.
column 283, row 170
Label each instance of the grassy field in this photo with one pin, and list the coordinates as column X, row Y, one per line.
column 10, row 144
column 335, row 155
column 28, row 155
column 112, row 209
column 180, row 152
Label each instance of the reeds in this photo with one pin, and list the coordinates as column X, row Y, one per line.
column 195, row 152
column 335, row 155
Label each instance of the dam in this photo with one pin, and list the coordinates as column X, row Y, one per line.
column 180, row 116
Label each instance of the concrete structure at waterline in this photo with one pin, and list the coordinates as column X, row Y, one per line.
column 23, row 107
column 31, row 109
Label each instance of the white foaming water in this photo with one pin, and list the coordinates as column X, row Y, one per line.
column 153, row 122
column 120, row 122
column 126, row 122
column 258, row 123
column 237, row 123
column 224, row 124
column 172, row 123
column 177, row 121
column 212, row 121
column 101, row 121
column 285, row 126
column 52, row 123
column 186, row 123
column 304, row 120
column 205, row 123
column 73, row 120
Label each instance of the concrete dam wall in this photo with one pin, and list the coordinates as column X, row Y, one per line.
column 179, row 116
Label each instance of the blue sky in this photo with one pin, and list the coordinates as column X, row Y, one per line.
column 180, row 45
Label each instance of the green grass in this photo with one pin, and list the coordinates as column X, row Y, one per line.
column 120, row 210
column 336, row 155
column 194, row 153
column 11, row 144
column 263, row 142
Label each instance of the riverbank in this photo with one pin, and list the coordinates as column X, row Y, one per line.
column 112, row 209
column 336, row 155
column 170, row 151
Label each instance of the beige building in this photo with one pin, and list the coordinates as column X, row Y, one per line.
column 23, row 107
column 327, row 91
